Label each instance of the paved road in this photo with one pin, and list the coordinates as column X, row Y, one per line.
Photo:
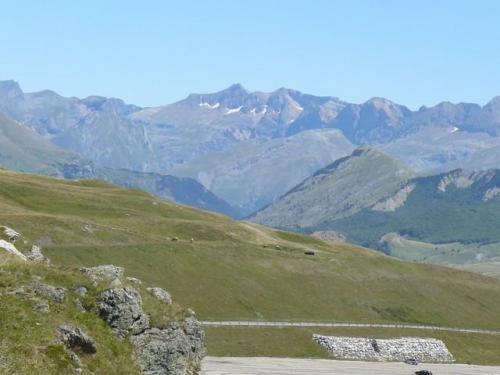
column 289, row 366
column 240, row 323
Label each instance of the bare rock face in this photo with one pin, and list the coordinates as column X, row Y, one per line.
column 395, row 201
column 75, row 339
column 160, row 294
column 122, row 309
column 103, row 273
column 174, row 350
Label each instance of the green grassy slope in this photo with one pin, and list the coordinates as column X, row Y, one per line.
column 339, row 190
column 234, row 270
column 29, row 343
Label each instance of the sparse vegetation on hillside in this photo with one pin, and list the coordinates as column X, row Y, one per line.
column 235, row 270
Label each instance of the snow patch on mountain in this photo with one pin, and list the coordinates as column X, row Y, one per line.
column 233, row 110
column 208, row 105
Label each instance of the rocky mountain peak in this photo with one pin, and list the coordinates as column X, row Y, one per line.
column 10, row 90
column 236, row 88
column 493, row 104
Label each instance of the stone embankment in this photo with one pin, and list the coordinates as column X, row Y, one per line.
column 400, row 349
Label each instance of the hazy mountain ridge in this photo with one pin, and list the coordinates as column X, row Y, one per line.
column 183, row 190
column 23, row 149
column 119, row 135
column 339, row 190
column 253, row 174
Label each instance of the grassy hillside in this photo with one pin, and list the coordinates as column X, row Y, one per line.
column 30, row 343
column 232, row 270
column 339, row 190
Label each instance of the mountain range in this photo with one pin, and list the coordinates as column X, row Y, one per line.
column 243, row 144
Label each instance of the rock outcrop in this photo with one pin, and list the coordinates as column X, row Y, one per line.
column 53, row 293
column 10, row 248
column 75, row 339
column 160, row 294
column 176, row 349
column 122, row 309
column 11, row 234
column 36, row 255
column 365, row 349
column 172, row 350
column 395, row 201
column 102, row 273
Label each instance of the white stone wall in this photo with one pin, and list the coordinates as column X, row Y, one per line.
column 357, row 348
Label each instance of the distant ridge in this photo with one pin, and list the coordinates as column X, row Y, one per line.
column 338, row 190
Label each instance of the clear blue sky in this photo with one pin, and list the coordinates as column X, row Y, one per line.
column 156, row 52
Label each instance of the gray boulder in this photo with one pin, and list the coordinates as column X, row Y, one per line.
column 42, row 306
column 75, row 339
column 54, row 293
column 134, row 280
column 103, row 273
column 122, row 309
column 166, row 352
column 79, row 305
column 160, row 294
column 36, row 255
column 10, row 233
column 81, row 291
